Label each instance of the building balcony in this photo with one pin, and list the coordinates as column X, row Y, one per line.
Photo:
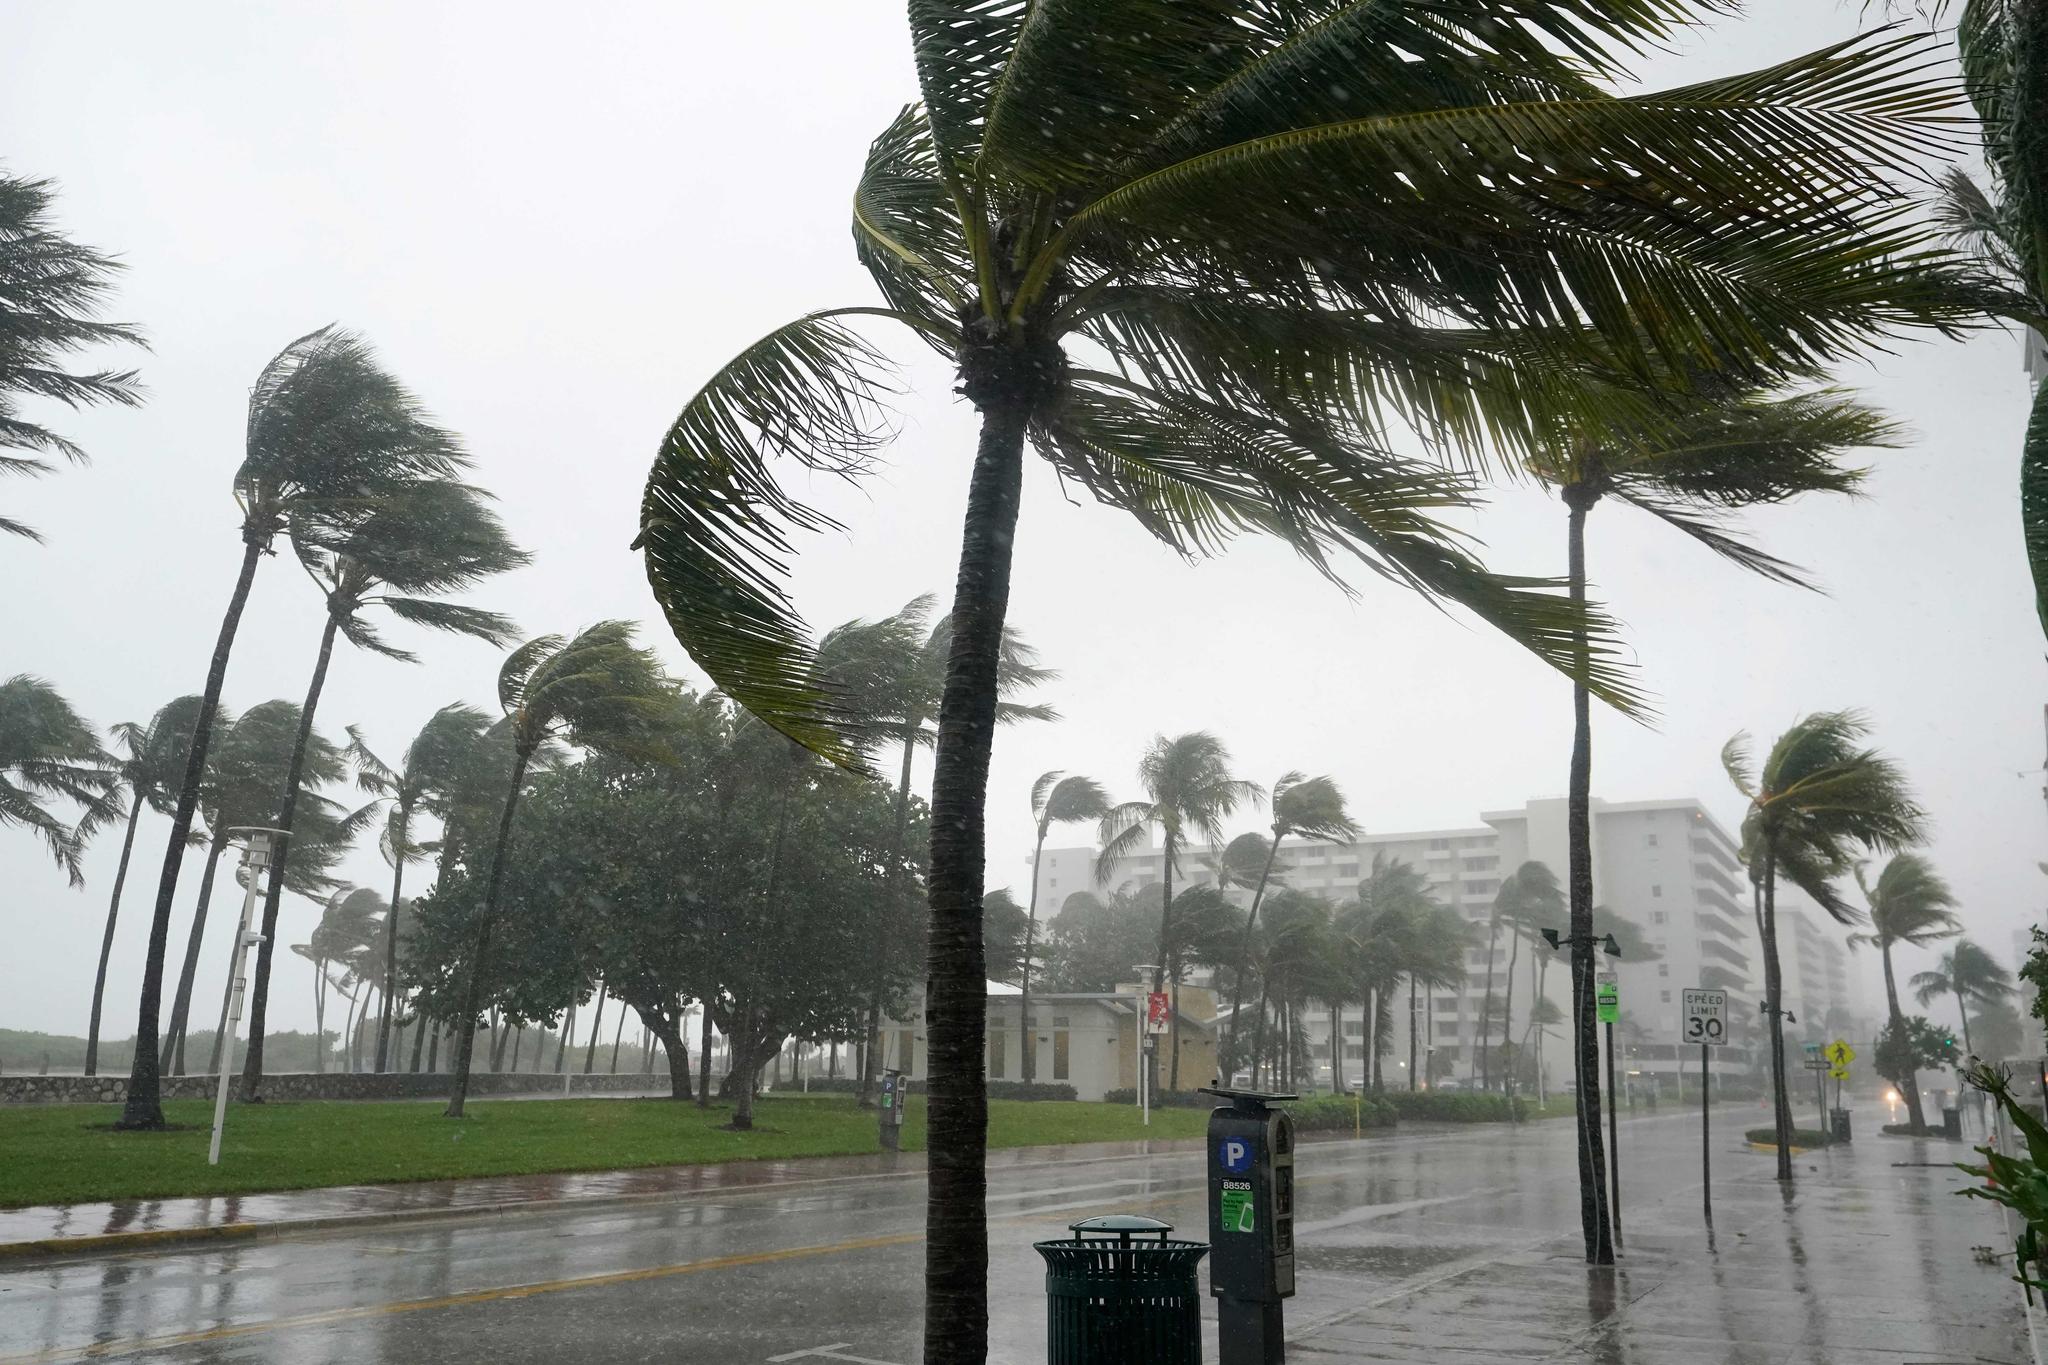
column 1715, row 875
column 1713, row 950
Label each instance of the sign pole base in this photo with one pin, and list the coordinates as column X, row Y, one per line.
column 1250, row 1333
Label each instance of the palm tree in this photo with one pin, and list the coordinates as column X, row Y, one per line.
column 1506, row 909
column 153, row 756
column 1971, row 975
column 348, row 921
column 1189, row 792
column 49, row 754
column 1725, row 449
column 1817, row 794
column 1909, row 904
column 1057, row 798
column 424, row 778
column 600, row 690
column 54, row 288
column 329, row 436
column 1303, row 808
column 1380, row 933
column 1538, row 900
column 1432, row 957
column 1181, row 186
column 421, row 542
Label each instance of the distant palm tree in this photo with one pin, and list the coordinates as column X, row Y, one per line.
column 1432, row 951
column 1909, row 903
column 1538, row 900
column 154, row 755
column 1057, row 798
column 604, row 693
column 49, row 754
column 1303, row 808
column 1379, row 932
column 425, row 776
column 329, row 435
column 54, row 288
column 1971, row 975
column 422, row 541
column 347, row 925
column 1189, row 792
column 1818, row 794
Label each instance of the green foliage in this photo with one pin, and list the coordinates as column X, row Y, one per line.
column 1453, row 1106
column 1799, row 1137
column 1917, row 1047
column 2034, row 972
column 2020, row 1182
column 1342, row 1113
column 50, row 758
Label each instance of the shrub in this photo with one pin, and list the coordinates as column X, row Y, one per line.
column 1165, row 1099
column 1908, row 1130
column 997, row 1090
column 1339, row 1113
column 1801, row 1137
column 1449, row 1106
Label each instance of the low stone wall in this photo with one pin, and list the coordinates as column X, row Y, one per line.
column 333, row 1086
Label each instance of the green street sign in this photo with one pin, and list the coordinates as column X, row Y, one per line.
column 1607, row 998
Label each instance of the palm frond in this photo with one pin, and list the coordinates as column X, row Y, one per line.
column 453, row 617
column 906, row 226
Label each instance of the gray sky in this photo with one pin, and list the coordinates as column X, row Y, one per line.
column 554, row 231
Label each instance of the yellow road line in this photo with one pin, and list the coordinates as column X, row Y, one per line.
column 101, row 1349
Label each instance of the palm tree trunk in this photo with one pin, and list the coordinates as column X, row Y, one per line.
column 348, row 1034
column 1026, row 1035
column 1593, row 1196
column 1963, row 1013
column 1370, row 1076
column 421, row 1027
column 1258, row 1058
column 319, row 1017
column 144, row 1105
column 99, row 980
column 1165, row 964
column 703, row 1060
column 1909, row 1084
column 1781, row 1104
column 596, row 1023
column 562, row 1042
column 1485, row 1058
column 472, row 989
column 1244, row 950
column 273, row 895
column 742, row 1066
column 518, row 1041
column 391, row 941
column 434, row 1050
column 876, row 985
column 1414, row 1037
column 620, row 1032
column 956, row 1218
column 1507, row 1013
column 173, row 1058
column 1336, row 1047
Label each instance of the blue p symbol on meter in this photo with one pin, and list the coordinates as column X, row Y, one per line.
column 1235, row 1154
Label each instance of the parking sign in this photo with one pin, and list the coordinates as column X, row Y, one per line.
column 1706, row 1017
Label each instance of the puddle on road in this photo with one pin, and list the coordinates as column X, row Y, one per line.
column 1392, row 1261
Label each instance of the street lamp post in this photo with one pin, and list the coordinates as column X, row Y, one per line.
column 1147, row 1043
column 256, row 855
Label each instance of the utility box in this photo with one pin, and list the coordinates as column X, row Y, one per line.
column 1838, row 1120
column 1251, row 1224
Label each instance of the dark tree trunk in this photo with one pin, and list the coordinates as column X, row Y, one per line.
column 99, row 980
column 391, row 943
column 173, row 1058
column 472, row 989
column 1781, row 1104
column 518, row 1041
column 421, row 1027
column 703, row 1060
column 562, row 1042
column 1507, row 1013
column 1027, row 1036
column 956, row 1212
column 273, row 894
column 434, row 1050
column 864, row 1092
column 1963, row 1013
column 1244, row 951
column 1165, row 964
column 1336, row 1047
column 144, row 1106
column 596, row 1023
column 1414, row 1041
column 1593, row 1195
column 1909, row 1084
column 1486, row 1011
column 670, row 1031
column 619, row 1032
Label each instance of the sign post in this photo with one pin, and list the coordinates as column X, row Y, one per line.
column 255, row 863
column 1705, row 1022
column 1156, row 1008
column 1607, row 1002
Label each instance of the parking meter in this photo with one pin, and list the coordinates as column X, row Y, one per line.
column 895, row 1100
column 1251, row 1224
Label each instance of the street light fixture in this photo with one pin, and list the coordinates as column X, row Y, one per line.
column 256, row 855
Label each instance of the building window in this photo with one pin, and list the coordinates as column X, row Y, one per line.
column 1657, row 892
column 1663, row 997
column 1438, row 845
column 1354, row 1028
column 1650, row 840
column 995, row 1055
column 1059, row 1047
column 1658, row 917
column 1347, row 869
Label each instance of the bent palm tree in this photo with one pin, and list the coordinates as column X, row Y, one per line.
column 604, row 693
column 420, row 542
column 155, row 756
column 1057, row 798
column 1190, row 792
column 1971, row 975
column 1909, row 903
column 49, row 754
column 329, row 435
column 1183, row 186
column 54, row 288
column 427, row 775
column 1303, row 808
column 1818, row 793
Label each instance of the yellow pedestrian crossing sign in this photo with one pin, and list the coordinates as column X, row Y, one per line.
column 1839, row 1055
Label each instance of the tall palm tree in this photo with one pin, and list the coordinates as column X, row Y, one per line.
column 49, row 754
column 1057, row 798
column 1303, row 808
column 1723, row 449
column 1971, row 975
column 599, row 690
column 1189, row 793
column 329, row 436
column 1506, row 909
column 54, row 289
column 1538, row 900
column 422, row 542
column 1909, row 904
column 1379, row 931
column 1432, row 957
column 1818, row 794
column 1182, row 186
column 152, row 757
column 424, row 777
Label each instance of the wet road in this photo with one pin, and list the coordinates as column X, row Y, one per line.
column 1448, row 1245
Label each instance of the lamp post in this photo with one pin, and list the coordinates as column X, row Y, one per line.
column 1147, row 1042
column 256, row 855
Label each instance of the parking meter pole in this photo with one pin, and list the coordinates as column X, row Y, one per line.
column 1251, row 1225
column 255, row 861
column 1613, row 1141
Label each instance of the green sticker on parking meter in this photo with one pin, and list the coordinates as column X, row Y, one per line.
column 1237, row 1210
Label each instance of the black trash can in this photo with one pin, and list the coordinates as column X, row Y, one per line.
column 1113, row 1299
column 1952, row 1124
column 1839, row 1122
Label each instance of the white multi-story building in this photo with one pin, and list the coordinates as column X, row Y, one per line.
column 1667, row 867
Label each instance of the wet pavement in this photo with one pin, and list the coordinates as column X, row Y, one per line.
column 1445, row 1246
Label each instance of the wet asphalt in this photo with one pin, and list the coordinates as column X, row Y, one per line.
column 1455, row 1245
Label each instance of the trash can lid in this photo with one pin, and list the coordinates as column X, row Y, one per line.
column 1121, row 1222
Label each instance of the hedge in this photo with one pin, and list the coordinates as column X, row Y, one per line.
column 997, row 1090
column 1450, row 1106
column 1801, row 1137
column 1164, row 1099
column 1336, row 1113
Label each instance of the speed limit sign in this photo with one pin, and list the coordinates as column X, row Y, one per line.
column 1706, row 1017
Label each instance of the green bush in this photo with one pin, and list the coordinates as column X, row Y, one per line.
column 1340, row 1113
column 1801, row 1137
column 1450, row 1106
column 997, row 1090
column 1164, row 1099
column 1908, row 1130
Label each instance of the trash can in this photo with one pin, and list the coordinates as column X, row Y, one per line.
column 1113, row 1299
column 1839, row 1122
column 1952, row 1124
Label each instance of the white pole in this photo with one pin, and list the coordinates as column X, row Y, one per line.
column 255, row 861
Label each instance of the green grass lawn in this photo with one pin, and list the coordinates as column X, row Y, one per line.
column 65, row 1154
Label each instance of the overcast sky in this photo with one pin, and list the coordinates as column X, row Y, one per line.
column 554, row 229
